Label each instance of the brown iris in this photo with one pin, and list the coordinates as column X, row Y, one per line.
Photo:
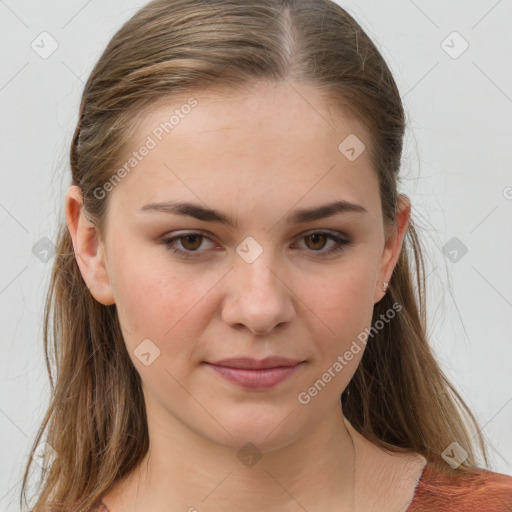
column 316, row 237
column 193, row 242
column 188, row 238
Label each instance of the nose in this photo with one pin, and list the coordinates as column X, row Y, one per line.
column 258, row 296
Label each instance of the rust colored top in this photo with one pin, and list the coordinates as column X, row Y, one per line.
column 479, row 491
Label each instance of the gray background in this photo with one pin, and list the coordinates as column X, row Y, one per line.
column 456, row 170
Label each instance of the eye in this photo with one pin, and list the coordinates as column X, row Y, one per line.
column 317, row 240
column 191, row 242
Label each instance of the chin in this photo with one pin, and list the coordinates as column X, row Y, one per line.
column 267, row 432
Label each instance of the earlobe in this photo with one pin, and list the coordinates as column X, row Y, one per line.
column 393, row 247
column 88, row 247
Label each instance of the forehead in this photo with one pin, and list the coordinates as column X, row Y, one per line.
column 273, row 141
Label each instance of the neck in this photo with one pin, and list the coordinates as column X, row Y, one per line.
column 185, row 471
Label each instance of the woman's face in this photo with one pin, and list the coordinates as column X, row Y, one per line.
column 272, row 284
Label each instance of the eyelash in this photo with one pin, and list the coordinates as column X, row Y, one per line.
column 169, row 243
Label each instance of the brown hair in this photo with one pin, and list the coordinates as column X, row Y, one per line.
column 398, row 398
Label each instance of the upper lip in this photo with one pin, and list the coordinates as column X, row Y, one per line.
column 255, row 364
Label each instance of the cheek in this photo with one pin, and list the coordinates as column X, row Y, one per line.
column 344, row 299
column 159, row 301
column 342, row 309
column 141, row 288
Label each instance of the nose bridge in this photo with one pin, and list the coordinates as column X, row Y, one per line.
column 258, row 297
column 255, row 266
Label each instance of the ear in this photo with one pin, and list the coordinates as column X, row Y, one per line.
column 89, row 249
column 393, row 246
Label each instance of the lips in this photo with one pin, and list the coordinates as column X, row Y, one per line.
column 256, row 375
column 246, row 363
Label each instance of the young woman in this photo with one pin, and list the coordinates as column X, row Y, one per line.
column 237, row 307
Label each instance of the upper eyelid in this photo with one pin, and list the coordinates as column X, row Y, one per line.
column 183, row 234
column 204, row 234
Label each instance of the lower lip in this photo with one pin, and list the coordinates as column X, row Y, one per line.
column 256, row 379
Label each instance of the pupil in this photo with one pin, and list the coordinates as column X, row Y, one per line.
column 191, row 238
column 315, row 238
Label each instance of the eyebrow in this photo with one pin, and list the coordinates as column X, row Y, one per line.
column 210, row 215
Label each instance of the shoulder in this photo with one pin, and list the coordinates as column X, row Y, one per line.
column 478, row 490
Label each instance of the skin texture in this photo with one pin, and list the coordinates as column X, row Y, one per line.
column 256, row 156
